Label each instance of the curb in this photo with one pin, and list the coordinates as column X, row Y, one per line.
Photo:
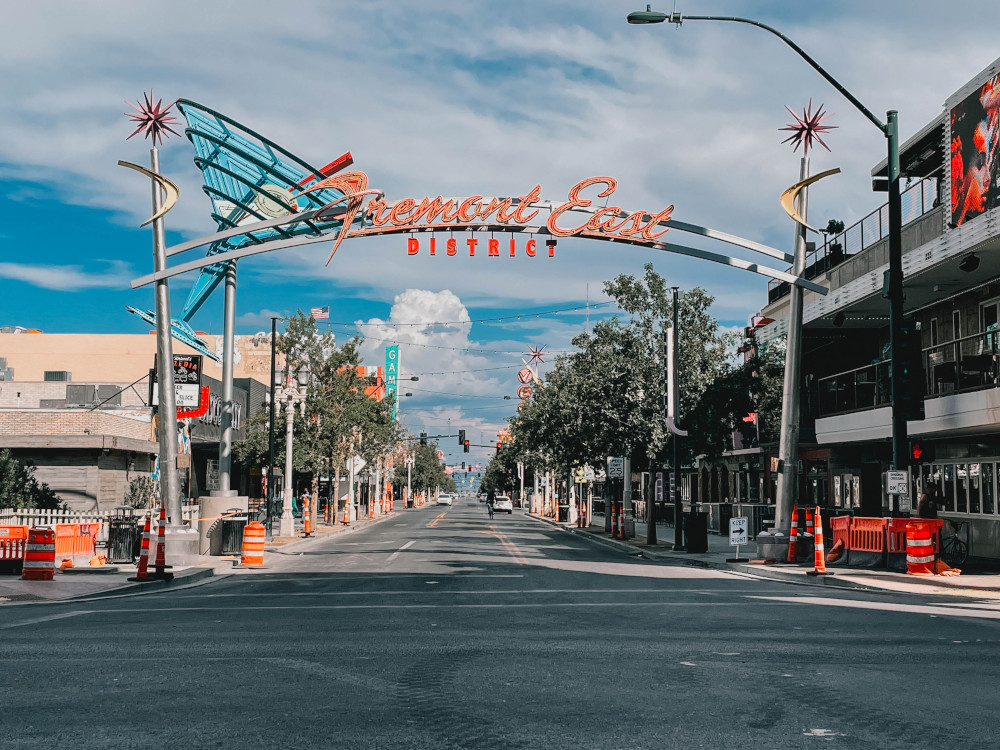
column 768, row 572
column 182, row 579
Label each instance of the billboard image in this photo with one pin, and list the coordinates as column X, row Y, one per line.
column 974, row 162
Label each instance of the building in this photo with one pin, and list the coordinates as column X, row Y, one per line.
column 951, row 267
column 78, row 407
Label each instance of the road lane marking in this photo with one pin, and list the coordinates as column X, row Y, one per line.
column 505, row 605
column 915, row 609
column 433, row 524
column 47, row 618
column 395, row 554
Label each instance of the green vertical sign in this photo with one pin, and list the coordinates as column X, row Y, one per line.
column 391, row 375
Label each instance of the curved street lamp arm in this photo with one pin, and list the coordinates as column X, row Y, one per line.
column 677, row 19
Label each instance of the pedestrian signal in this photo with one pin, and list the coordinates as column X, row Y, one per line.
column 921, row 453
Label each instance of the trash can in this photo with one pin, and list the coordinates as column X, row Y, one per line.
column 232, row 531
column 696, row 532
column 124, row 535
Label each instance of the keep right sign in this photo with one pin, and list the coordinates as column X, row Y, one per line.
column 738, row 532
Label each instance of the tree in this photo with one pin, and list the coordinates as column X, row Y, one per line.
column 19, row 488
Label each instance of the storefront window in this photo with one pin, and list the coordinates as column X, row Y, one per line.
column 974, row 488
column 962, row 488
column 986, row 483
column 947, row 482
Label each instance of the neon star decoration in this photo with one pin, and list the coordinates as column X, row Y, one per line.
column 536, row 354
column 152, row 117
column 807, row 129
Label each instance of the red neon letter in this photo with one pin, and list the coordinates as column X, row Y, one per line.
column 576, row 201
column 529, row 248
column 402, row 207
column 664, row 215
column 471, row 242
column 471, row 204
column 512, row 249
column 526, row 201
column 413, row 246
column 452, row 246
column 494, row 247
column 433, row 242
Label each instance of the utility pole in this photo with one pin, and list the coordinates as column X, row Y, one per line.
column 270, row 437
column 673, row 408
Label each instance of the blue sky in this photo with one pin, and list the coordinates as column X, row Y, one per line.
column 449, row 98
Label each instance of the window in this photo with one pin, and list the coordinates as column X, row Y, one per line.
column 986, row 470
column 934, row 332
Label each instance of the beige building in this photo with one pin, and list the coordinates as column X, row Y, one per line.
column 115, row 357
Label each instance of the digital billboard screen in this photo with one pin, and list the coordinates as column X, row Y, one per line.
column 974, row 158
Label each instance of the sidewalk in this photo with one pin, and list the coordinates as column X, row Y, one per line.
column 843, row 577
column 112, row 580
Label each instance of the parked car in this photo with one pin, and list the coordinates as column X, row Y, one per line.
column 444, row 499
column 503, row 503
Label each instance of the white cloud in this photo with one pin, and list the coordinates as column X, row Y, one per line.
column 67, row 278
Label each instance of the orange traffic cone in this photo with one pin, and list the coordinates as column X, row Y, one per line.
column 793, row 540
column 819, row 556
column 614, row 520
column 160, row 565
column 142, row 574
column 306, row 519
column 347, row 513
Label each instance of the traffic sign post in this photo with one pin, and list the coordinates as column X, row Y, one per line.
column 616, row 467
column 738, row 535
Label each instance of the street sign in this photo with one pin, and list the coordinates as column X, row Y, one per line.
column 897, row 483
column 588, row 473
column 580, row 476
column 616, row 467
column 356, row 464
column 738, row 532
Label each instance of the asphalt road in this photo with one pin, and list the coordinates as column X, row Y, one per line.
column 441, row 629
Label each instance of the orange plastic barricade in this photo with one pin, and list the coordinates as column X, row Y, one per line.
column 253, row 546
column 867, row 542
column 75, row 539
column 12, row 542
column 39, row 555
column 840, row 529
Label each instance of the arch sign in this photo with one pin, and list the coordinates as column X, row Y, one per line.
column 265, row 198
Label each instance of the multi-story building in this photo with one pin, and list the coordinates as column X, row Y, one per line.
column 951, row 267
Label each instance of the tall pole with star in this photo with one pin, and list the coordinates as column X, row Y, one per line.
column 805, row 131
column 154, row 121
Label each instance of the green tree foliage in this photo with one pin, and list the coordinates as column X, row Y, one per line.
column 501, row 471
column 609, row 396
column 19, row 488
column 337, row 418
column 142, row 492
column 427, row 472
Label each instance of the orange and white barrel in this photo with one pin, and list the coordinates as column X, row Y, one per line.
column 919, row 549
column 253, row 545
column 39, row 555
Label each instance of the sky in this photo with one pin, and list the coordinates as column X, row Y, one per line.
column 441, row 97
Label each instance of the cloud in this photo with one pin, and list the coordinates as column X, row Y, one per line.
column 67, row 278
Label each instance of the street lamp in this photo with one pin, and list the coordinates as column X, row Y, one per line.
column 890, row 129
column 290, row 395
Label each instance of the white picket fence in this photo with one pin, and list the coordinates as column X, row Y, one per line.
column 37, row 517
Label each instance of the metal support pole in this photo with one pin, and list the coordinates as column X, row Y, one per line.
column 228, row 335
column 287, row 526
column 170, row 494
column 270, row 436
column 675, row 474
column 900, row 450
column 788, row 442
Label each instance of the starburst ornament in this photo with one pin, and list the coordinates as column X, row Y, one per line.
column 152, row 117
column 536, row 354
column 807, row 129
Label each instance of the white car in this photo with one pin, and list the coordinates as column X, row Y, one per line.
column 444, row 499
column 503, row 503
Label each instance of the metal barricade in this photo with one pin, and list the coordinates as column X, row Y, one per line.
column 124, row 535
column 233, row 524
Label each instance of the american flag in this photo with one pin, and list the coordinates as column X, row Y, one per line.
column 320, row 313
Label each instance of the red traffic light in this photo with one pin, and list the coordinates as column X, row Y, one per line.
column 921, row 452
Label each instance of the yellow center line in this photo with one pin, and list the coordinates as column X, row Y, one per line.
column 433, row 524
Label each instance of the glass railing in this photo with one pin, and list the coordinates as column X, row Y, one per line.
column 916, row 201
column 965, row 364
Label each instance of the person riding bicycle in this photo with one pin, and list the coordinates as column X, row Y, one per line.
column 491, row 498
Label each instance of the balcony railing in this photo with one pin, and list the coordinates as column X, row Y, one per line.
column 917, row 201
column 964, row 364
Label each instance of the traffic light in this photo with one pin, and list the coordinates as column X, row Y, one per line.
column 463, row 465
column 465, row 446
column 909, row 359
column 921, row 453
column 499, row 444
column 423, row 438
column 461, row 437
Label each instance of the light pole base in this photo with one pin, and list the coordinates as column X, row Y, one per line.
column 286, row 526
column 181, row 545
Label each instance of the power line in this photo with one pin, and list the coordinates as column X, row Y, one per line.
column 498, row 319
